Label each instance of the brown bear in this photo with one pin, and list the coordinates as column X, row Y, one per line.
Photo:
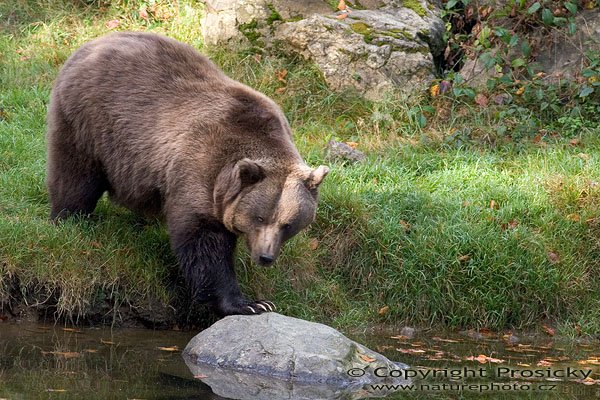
column 160, row 128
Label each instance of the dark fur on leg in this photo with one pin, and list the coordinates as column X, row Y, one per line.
column 205, row 249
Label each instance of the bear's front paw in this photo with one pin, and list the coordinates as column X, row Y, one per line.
column 244, row 307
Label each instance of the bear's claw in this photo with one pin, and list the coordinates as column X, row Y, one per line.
column 245, row 307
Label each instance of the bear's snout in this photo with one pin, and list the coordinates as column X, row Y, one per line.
column 266, row 259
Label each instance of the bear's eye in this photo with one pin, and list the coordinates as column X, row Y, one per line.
column 286, row 227
column 260, row 219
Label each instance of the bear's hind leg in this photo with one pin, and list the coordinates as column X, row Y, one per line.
column 205, row 249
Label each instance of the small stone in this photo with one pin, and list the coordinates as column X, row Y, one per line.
column 338, row 151
column 408, row 332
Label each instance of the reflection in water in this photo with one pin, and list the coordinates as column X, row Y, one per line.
column 36, row 361
column 51, row 362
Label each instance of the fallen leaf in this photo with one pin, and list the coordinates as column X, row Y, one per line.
column 56, row 390
column 405, row 225
column 172, row 348
column 106, row 342
column 550, row 331
column 342, row 5
column 342, row 16
column 90, row 351
column 553, row 257
column 544, row 363
column 481, row 100
column 574, row 217
column 144, row 13
column 314, row 244
column 366, row 358
column 281, row 75
column 383, row 310
column 583, row 156
column 434, row 90
column 112, row 24
column 494, row 205
column 280, row 90
column 574, row 142
column 520, row 91
column 354, row 145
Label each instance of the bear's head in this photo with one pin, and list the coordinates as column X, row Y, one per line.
column 267, row 208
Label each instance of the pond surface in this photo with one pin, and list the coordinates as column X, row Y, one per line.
column 53, row 362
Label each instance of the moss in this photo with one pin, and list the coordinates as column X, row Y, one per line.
column 274, row 16
column 398, row 34
column 416, row 6
column 250, row 31
column 363, row 29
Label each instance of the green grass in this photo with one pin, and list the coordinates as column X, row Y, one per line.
column 449, row 224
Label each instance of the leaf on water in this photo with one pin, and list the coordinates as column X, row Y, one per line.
column 383, row 310
column 65, row 354
column 411, row 351
column 73, row 330
column 366, row 358
column 172, row 348
column 439, row 339
column 112, row 24
column 483, row 359
column 589, row 361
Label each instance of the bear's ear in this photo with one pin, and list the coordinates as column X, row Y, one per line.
column 249, row 172
column 316, row 177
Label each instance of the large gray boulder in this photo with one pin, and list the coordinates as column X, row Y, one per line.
column 384, row 45
column 271, row 356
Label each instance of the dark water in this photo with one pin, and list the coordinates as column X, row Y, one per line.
column 52, row 362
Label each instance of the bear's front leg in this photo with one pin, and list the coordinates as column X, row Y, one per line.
column 205, row 249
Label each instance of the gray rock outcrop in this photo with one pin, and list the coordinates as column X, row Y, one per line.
column 387, row 44
column 271, row 356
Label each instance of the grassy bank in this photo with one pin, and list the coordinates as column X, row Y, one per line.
column 450, row 221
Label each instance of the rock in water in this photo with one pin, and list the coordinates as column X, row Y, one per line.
column 272, row 356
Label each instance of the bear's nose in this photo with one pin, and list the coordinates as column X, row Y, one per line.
column 266, row 259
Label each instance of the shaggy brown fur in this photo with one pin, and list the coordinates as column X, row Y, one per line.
column 164, row 131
